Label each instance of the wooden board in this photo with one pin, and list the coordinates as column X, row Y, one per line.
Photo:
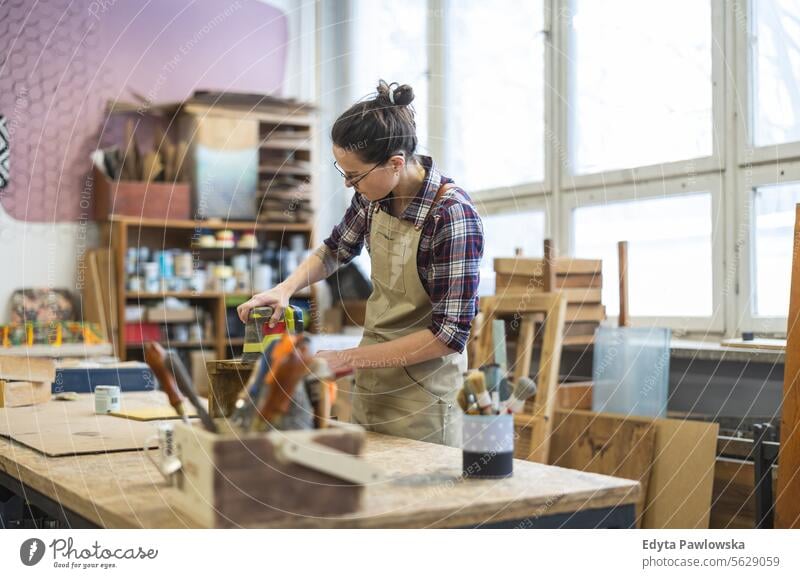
column 522, row 283
column 682, row 476
column 22, row 393
column 151, row 413
column 787, row 506
column 605, row 444
column 14, row 368
column 576, row 395
column 682, row 480
column 533, row 267
column 62, row 428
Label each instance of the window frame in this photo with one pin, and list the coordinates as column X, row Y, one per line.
column 763, row 175
column 748, row 153
column 735, row 166
column 673, row 187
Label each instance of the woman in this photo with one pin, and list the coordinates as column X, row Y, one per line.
column 425, row 241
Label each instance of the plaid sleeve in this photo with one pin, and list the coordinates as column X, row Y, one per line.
column 347, row 239
column 453, row 280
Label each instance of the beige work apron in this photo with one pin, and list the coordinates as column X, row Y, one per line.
column 417, row 401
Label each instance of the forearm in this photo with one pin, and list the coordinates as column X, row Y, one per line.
column 309, row 272
column 413, row 348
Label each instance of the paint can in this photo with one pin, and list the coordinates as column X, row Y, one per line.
column 106, row 398
column 488, row 446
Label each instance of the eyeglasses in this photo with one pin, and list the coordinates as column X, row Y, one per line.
column 354, row 180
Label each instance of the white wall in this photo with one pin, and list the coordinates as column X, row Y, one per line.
column 40, row 255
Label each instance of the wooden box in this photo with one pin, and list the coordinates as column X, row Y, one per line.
column 233, row 479
column 140, row 199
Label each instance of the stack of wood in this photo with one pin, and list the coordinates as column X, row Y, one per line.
column 25, row 380
column 287, row 199
column 580, row 280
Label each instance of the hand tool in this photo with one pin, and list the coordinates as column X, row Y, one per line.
column 175, row 365
column 259, row 334
column 285, row 372
column 155, row 357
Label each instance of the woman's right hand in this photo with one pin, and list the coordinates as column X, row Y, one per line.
column 277, row 298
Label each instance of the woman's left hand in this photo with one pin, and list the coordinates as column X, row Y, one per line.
column 338, row 361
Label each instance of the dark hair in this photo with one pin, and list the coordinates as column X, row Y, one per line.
column 379, row 127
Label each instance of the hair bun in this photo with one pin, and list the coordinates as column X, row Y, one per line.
column 394, row 93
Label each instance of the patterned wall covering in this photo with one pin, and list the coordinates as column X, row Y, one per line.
column 62, row 60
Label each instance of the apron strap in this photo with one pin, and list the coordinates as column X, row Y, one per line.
column 438, row 196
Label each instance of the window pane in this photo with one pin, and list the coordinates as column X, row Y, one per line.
column 502, row 235
column 495, row 86
column 390, row 42
column 774, row 208
column 775, row 59
column 669, row 252
column 640, row 83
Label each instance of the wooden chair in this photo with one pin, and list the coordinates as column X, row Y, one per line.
column 527, row 310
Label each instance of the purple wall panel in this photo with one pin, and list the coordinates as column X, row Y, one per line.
column 62, row 61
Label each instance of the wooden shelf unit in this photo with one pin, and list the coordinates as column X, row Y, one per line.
column 122, row 232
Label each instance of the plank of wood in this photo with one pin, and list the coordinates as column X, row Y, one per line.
column 576, row 395
column 535, row 267
column 62, row 428
column 152, row 413
column 605, row 444
column 13, row 368
column 681, row 480
column 581, row 312
column 787, row 506
column 21, row 393
column 526, row 283
column 622, row 251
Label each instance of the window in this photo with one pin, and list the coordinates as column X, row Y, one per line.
column 640, row 89
column 390, row 42
column 669, row 252
column 495, row 93
column 774, row 210
column 775, row 62
column 503, row 234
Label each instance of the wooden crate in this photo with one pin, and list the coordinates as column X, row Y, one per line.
column 233, row 479
column 140, row 199
column 580, row 281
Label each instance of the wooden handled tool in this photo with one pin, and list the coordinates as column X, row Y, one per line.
column 475, row 381
column 284, row 376
column 156, row 357
column 184, row 382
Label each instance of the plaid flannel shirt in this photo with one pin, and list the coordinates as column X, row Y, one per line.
column 449, row 256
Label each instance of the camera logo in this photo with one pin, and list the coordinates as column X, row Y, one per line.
column 31, row 551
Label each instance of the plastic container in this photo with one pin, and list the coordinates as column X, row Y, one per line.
column 488, row 446
column 631, row 370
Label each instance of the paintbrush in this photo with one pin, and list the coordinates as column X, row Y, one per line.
column 184, row 382
column 475, row 381
column 524, row 389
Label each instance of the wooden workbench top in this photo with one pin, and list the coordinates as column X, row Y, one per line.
column 425, row 489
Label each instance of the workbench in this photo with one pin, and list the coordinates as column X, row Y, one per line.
column 425, row 489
